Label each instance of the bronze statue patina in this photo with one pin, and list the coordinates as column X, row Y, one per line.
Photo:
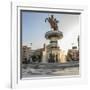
column 53, row 22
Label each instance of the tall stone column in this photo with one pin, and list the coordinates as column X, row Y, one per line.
column 44, row 57
column 44, row 54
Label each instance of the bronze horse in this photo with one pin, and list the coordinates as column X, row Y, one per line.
column 53, row 22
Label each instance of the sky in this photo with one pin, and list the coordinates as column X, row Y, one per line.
column 34, row 29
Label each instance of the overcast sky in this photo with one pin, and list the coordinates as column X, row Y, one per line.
column 34, row 29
